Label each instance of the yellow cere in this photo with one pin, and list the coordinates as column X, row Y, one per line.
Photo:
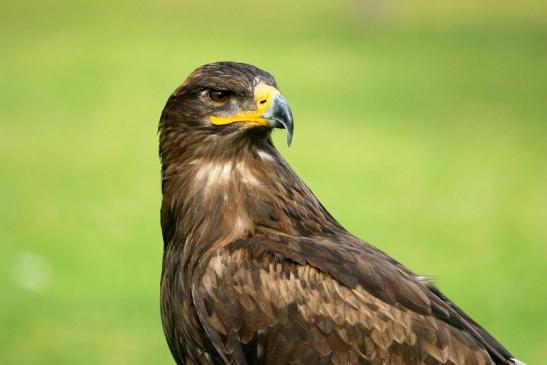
column 263, row 96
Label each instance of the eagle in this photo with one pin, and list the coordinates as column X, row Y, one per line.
column 257, row 271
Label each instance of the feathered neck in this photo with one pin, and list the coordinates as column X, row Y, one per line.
column 229, row 189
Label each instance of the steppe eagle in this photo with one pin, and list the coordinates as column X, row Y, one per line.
column 256, row 270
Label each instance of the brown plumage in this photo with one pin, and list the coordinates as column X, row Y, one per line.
column 256, row 271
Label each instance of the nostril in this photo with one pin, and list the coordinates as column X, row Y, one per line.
column 263, row 101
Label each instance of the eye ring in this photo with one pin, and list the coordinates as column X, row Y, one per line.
column 219, row 96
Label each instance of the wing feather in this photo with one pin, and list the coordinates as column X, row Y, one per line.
column 263, row 302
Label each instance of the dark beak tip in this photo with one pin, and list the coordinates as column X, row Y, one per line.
column 289, row 128
column 281, row 116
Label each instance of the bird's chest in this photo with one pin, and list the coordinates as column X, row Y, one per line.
column 183, row 330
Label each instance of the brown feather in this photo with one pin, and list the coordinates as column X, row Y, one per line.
column 255, row 269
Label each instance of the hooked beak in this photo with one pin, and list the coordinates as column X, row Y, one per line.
column 272, row 110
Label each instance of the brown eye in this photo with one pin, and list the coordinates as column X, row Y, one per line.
column 219, row 96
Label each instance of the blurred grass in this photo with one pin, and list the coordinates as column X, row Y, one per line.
column 421, row 127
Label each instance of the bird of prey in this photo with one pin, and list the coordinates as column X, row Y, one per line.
column 256, row 270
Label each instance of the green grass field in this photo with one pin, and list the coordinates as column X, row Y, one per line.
column 422, row 128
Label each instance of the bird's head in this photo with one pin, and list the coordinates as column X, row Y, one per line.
column 227, row 99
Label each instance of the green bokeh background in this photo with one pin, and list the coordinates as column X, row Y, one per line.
column 421, row 126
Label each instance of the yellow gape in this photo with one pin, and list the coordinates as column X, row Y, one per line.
column 263, row 96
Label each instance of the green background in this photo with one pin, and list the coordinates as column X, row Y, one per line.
column 421, row 126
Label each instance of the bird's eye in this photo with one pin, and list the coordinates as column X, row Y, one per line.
column 219, row 96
